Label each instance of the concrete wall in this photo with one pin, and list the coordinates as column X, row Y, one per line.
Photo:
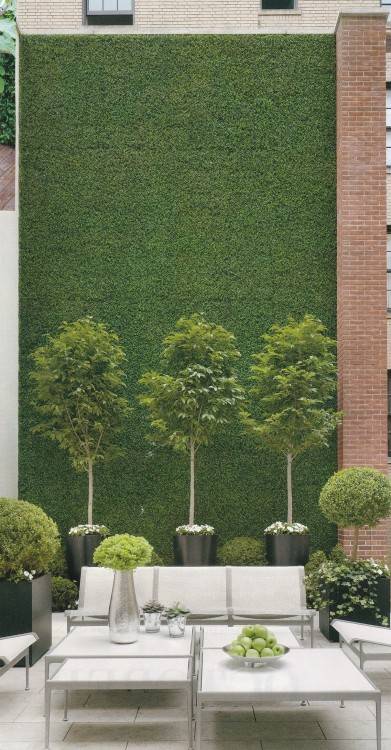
column 311, row 16
column 8, row 354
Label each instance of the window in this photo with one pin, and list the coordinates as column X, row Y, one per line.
column 389, row 413
column 279, row 4
column 389, row 272
column 109, row 11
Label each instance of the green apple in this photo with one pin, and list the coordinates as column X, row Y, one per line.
column 259, row 644
column 267, row 652
column 260, row 631
column 246, row 642
column 248, row 631
column 252, row 652
column 236, row 649
column 278, row 650
column 271, row 640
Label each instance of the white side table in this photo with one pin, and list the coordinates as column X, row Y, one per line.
column 122, row 674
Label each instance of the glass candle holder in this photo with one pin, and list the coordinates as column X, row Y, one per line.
column 177, row 626
column 152, row 621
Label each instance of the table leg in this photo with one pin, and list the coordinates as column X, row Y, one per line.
column 378, row 723
column 190, row 714
column 312, row 631
column 302, row 629
column 198, row 726
column 27, row 664
column 65, row 717
column 47, row 714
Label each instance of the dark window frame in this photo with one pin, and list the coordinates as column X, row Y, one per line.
column 279, row 4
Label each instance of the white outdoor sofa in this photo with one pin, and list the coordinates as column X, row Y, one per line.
column 218, row 594
column 14, row 648
column 367, row 642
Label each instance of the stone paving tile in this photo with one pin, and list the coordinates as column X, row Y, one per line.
column 156, row 732
column 30, row 731
column 354, row 730
column 324, row 745
column 97, row 733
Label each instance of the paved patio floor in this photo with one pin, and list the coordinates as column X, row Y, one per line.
column 155, row 721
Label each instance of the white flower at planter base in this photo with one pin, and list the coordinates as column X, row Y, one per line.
column 281, row 527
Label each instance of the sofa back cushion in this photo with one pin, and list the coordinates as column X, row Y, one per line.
column 96, row 585
column 143, row 583
column 267, row 589
column 202, row 590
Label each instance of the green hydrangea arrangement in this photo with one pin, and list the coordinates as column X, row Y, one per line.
column 123, row 552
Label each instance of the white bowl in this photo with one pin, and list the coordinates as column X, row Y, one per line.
column 255, row 661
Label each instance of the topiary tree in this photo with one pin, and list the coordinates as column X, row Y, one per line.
column 123, row 552
column 29, row 539
column 356, row 497
column 198, row 395
column 242, row 550
column 294, row 380
column 79, row 394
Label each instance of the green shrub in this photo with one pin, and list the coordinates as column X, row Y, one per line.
column 29, row 539
column 7, row 101
column 58, row 567
column 123, row 552
column 316, row 559
column 156, row 559
column 356, row 497
column 64, row 594
column 242, row 550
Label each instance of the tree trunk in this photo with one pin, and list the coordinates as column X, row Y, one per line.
column 90, row 490
column 192, row 488
column 356, row 532
column 289, row 487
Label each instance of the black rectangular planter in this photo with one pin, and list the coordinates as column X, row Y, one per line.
column 27, row 607
column 382, row 596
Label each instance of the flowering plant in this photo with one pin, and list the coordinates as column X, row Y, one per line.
column 281, row 527
column 88, row 528
column 195, row 530
column 123, row 552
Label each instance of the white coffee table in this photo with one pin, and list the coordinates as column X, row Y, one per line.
column 122, row 674
column 303, row 674
column 217, row 636
column 91, row 642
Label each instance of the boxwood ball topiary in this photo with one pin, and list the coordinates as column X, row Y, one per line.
column 356, row 497
column 123, row 552
column 29, row 539
column 242, row 550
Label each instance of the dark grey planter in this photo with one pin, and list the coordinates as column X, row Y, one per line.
column 381, row 597
column 195, row 550
column 27, row 607
column 287, row 549
column 80, row 551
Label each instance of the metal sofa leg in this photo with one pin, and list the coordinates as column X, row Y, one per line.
column 27, row 665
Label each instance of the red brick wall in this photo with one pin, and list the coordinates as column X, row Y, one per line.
column 361, row 262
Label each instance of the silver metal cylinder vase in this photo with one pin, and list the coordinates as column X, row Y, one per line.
column 123, row 612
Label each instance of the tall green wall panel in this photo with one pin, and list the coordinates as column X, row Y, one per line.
column 161, row 176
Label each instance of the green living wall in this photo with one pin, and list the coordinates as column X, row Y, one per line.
column 162, row 176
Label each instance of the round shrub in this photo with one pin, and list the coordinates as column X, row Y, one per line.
column 242, row 550
column 156, row 559
column 29, row 539
column 356, row 497
column 123, row 552
column 64, row 594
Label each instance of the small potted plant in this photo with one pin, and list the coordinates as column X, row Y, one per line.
column 81, row 544
column 123, row 553
column 195, row 544
column 29, row 544
column 287, row 543
column 176, row 620
column 152, row 612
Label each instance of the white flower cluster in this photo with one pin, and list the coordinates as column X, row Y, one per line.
column 88, row 528
column 195, row 529
column 29, row 575
column 379, row 569
column 281, row 527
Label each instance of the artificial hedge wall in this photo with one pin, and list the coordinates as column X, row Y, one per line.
column 7, row 101
column 162, row 176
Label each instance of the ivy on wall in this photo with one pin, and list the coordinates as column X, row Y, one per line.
column 7, row 101
column 162, row 176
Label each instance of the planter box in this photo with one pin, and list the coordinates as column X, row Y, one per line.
column 80, row 551
column 359, row 615
column 195, row 550
column 27, row 607
column 287, row 549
